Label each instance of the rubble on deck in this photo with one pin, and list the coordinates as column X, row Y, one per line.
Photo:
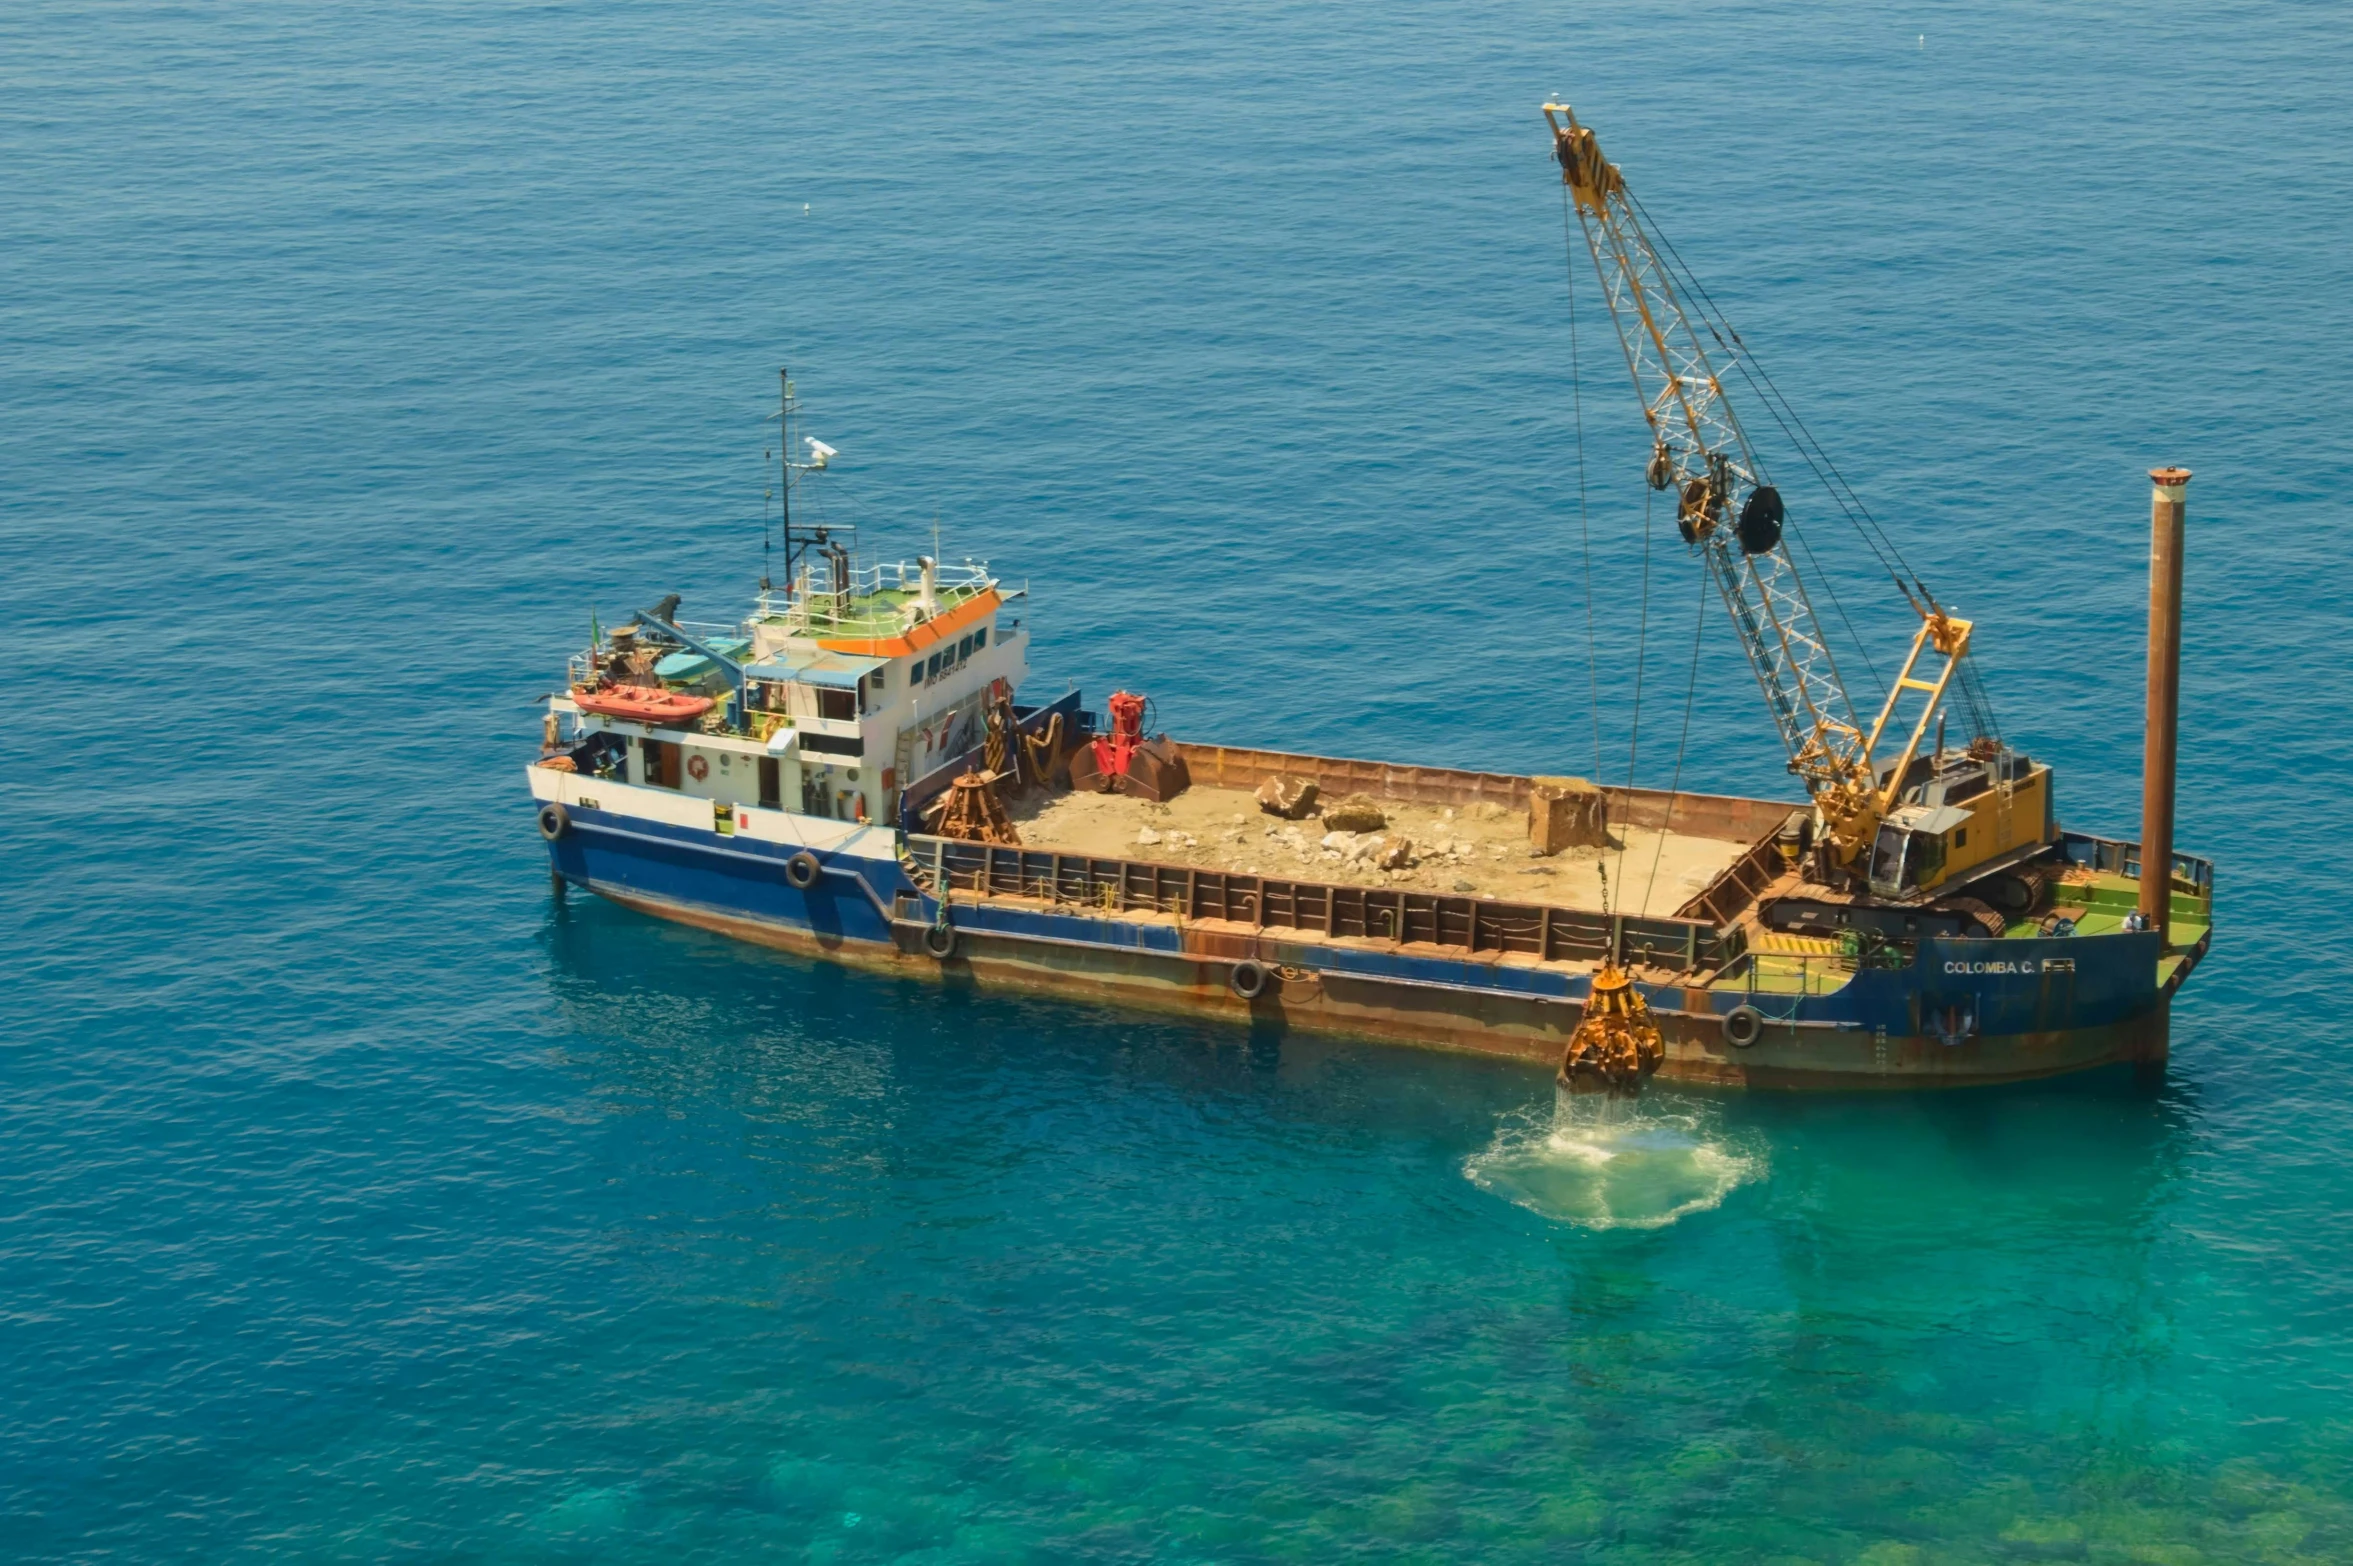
column 1289, row 797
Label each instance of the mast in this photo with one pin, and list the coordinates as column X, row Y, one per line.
column 784, row 470
column 796, row 546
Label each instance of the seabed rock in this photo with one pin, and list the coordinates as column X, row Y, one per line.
column 1286, row 796
column 1356, row 813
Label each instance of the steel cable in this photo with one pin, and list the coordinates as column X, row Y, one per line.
column 1584, row 530
column 1834, row 482
column 1682, row 744
column 1641, row 654
column 1842, row 493
column 1783, row 415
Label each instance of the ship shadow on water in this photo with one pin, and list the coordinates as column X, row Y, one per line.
column 692, row 1017
column 695, row 1019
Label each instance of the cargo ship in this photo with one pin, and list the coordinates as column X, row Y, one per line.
column 849, row 771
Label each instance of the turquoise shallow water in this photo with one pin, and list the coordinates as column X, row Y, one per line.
column 358, row 1201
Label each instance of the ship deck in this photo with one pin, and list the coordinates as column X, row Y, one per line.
column 2094, row 902
column 1681, row 866
column 1478, row 849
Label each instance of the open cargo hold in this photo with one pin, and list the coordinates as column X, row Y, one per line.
column 1219, row 875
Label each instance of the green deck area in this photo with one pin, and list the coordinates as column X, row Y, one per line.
column 879, row 614
column 1779, row 975
column 2098, row 907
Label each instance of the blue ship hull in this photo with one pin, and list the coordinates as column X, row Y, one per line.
column 1962, row 1011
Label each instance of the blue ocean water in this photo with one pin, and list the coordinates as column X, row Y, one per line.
column 358, row 1200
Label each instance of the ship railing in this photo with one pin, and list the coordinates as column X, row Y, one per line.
column 1746, row 821
column 1475, row 926
column 2118, row 857
column 582, row 667
column 815, row 584
column 1789, row 973
column 1737, row 887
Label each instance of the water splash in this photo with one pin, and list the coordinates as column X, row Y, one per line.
column 1609, row 1163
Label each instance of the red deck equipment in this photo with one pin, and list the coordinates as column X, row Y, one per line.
column 1115, row 750
column 1124, row 762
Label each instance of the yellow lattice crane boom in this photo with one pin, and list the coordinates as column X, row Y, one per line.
column 1730, row 515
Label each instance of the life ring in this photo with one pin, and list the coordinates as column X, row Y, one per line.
column 1248, row 980
column 554, row 821
column 940, row 941
column 1743, row 1026
column 697, row 768
column 802, row 870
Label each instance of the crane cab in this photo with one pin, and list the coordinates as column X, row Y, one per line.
column 1960, row 816
column 1908, row 856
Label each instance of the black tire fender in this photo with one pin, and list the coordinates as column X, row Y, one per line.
column 802, row 870
column 940, row 941
column 1248, row 979
column 1743, row 1026
column 554, row 821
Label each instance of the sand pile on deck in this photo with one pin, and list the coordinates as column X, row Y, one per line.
column 1481, row 850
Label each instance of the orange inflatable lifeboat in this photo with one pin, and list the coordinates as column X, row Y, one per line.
column 641, row 703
